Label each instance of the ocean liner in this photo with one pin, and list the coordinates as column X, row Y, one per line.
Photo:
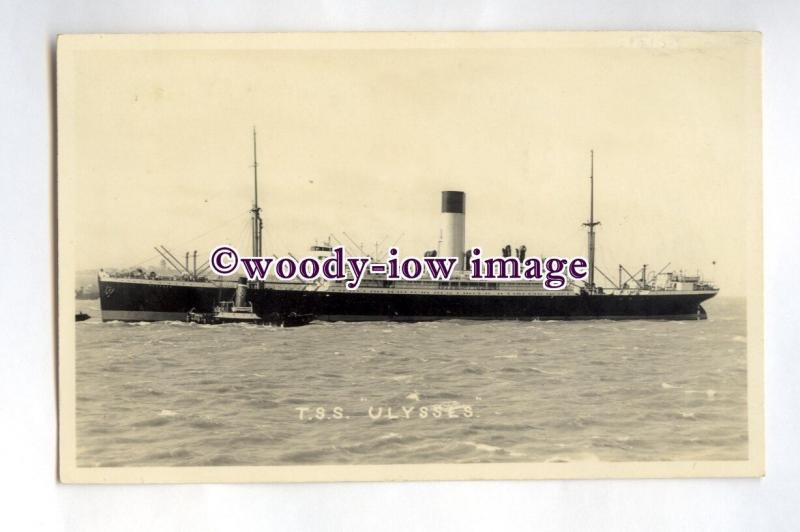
column 141, row 296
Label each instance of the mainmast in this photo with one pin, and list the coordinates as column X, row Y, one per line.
column 256, row 210
column 590, row 224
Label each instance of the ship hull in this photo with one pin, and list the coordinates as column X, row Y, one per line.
column 356, row 306
column 149, row 300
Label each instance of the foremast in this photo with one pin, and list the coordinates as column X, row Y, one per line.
column 257, row 223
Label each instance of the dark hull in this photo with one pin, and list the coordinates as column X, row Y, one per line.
column 358, row 306
column 138, row 300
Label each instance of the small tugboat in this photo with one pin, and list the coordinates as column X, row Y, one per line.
column 81, row 316
column 225, row 312
column 241, row 311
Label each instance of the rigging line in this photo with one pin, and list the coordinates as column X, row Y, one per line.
column 245, row 227
column 223, row 224
column 399, row 238
column 347, row 250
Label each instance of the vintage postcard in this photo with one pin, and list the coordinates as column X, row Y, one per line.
column 394, row 256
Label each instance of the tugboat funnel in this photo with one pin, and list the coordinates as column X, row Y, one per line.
column 240, row 299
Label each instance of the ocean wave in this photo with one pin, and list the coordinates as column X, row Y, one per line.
column 155, row 421
column 492, row 449
column 543, row 372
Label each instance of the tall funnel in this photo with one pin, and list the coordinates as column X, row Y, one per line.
column 453, row 211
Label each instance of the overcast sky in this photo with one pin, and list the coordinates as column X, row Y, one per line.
column 363, row 139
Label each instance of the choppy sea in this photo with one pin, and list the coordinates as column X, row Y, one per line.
column 178, row 394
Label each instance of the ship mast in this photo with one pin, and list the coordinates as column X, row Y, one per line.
column 256, row 210
column 590, row 224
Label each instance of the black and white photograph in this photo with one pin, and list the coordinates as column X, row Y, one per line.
column 394, row 256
